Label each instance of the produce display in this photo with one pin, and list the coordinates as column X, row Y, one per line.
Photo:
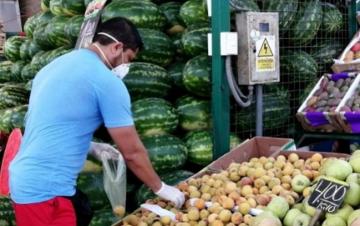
column 353, row 103
column 279, row 186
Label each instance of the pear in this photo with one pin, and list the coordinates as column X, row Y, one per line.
column 266, row 219
column 334, row 221
column 302, row 220
column 344, row 212
column 290, row 217
column 352, row 196
column 278, row 206
column 338, row 168
column 353, row 216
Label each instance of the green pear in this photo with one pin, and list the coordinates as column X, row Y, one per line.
column 339, row 169
column 290, row 217
column 355, row 214
column 356, row 222
column 355, row 163
column 302, row 220
column 266, row 218
column 334, row 221
column 307, row 208
column 355, row 153
column 354, row 177
column 299, row 206
column 352, row 196
column 344, row 212
column 278, row 206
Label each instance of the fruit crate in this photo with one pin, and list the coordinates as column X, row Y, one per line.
column 317, row 113
column 348, row 61
column 349, row 109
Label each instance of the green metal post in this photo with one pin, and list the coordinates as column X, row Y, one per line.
column 220, row 22
column 352, row 8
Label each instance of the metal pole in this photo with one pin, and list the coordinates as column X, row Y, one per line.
column 220, row 22
column 259, row 110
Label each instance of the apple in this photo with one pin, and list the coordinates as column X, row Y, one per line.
column 344, row 212
column 278, row 206
column 338, row 168
column 299, row 206
column 356, row 47
column 299, row 183
column 290, row 217
column 266, row 219
column 355, row 163
column 332, row 221
column 354, row 177
column 302, row 220
column 307, row 208
column 353, row 216
column 352, row 196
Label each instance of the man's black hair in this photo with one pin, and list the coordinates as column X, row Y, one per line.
column 122, row 29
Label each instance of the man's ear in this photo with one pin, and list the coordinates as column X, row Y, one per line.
column 117, row 48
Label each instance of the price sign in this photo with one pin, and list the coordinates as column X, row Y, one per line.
column 91, row 20
column 328, row 195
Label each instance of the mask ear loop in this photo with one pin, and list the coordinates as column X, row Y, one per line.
column 103, row 55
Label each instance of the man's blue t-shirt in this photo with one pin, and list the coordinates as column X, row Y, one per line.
column 69, row 100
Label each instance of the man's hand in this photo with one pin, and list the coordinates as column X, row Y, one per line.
column 172, row 194
column 97, row 149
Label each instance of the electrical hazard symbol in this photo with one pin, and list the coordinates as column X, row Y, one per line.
column 265, row 50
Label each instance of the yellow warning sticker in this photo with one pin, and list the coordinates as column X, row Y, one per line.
column 265, row 50
column 267, row 64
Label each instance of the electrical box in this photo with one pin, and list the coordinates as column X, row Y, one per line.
column 258, row 59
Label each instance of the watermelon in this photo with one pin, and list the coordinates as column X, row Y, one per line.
column 12, row 47
column 193, row 12
column 28, row 85
column 36, row 61
column 30, row 25
column 143, row 14
column 154, row 116
column 12, row 118
column 147, row 80
column 13, row 95
column 200, row 147
column 55, row 31
column 171, row 11
column 5, row 71
column 333, row 19
column 307, row 23
column 92, row 185
column 16, row 69
column 53, row 54
column 325, row 52
column 177, row 43
column 28, row 49
column 244, row 5
column 158, row 48
column 7, row 214
column 171, row 178
column 28, row 72
column 67, row 7
column 299, row 66
column 197, row 76
column 287, row 12
column 166, row 152
column 276, row 110
column 103, row 217
column 45, row 5
column 194, row 42
column 41, row 38
column 72, row 28
column 194, row 113
column 175, row 71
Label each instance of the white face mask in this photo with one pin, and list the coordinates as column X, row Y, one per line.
column 121, row 70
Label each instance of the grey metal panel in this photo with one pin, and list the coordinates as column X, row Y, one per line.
column 10, row 15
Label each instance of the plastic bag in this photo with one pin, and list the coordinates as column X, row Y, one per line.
column 114, row 170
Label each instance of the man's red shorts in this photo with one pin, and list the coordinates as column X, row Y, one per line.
column 58, row 211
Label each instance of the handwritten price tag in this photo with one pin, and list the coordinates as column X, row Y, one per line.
column 328, row 195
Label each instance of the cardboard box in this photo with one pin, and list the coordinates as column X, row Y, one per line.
column 340, row 66
column 322, row 121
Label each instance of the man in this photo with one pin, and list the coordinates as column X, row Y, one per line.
column 70, row 98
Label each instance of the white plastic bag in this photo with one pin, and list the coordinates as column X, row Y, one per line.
column 115, row 181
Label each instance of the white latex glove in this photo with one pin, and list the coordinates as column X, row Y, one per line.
column 172, row 194
column 97, row 149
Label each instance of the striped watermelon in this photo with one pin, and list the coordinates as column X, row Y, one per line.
column 194, row 42
column 194, row 113
column 72, row 28
column 325, row 52
column 333, row 19
column 147, row 80
column 28, row 72
column 143, row 14
column 171, row 178
column 16, row 69
column 13, row 95
column 158, row 48
column 245, row 5
column 45, row 5
column 55, row 32
column 154, row 116
column 5, row 71
column 36, row 61
column 28, row 49
column 12, row 47
column 177, row 43
column 196, row 76
column 166, row 152
column 13, row 118
column 171, row 11
column 298, row 66
column 175, row 71
column 287, row 11
column 193, row 12
column 7, row 214
column 30, row 25
column 53, row 54
column 67, row 7
column 200, row 146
